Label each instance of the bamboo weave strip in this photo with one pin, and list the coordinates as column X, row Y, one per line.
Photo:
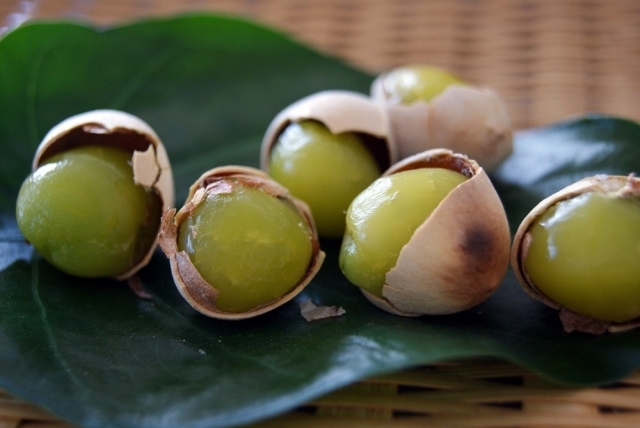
column 547, row 59
column 472, row 393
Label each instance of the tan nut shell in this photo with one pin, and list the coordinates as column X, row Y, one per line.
column 150, row 162
column 464, row 119
column 459, row 255
column 605, row 184
column 196, row 291
column 339, row 111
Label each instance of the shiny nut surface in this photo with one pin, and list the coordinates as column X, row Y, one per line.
column 577, row 251
column 410, row 84
column 459, row 255
column 326, row 148
column 216, row 299
column 83, row 155
column 326, row 170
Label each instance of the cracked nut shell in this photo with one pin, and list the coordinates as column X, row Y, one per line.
column 326, row 148
column 200, row 294
column 113, row 128
column 462, row 118
column 601, row 302
column 459, row 255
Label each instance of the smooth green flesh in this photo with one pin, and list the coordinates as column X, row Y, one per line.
column 410, row 84
column 585, row 255
column 382, row 219
column 250, row 246
column 325, row 170
column 82, row 211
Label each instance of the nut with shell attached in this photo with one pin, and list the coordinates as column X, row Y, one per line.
column 93, row 203
column 326, row 148
column 444, row 242
column 578, row 251
column 462, row 118
column 241, row 245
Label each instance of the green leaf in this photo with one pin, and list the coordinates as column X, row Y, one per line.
column 94, row 353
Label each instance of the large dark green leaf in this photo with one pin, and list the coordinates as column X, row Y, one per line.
column 94, row 353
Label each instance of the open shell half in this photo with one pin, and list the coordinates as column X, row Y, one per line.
column 196, row 291
column 462, row 118
column 459, row 255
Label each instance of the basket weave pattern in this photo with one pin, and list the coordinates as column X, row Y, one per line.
column 549, row 60
column 475, row 393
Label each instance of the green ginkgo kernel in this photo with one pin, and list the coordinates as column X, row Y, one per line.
column 382, row 219
column 323, row 169
column 83, row 212
column 584, row 254
column 250, row 246
column 406, row 85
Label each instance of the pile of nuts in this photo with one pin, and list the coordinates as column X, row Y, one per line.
column 401, row 176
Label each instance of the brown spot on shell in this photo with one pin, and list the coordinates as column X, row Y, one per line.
column 479, row 252
column 478, row 244
column 456, row 258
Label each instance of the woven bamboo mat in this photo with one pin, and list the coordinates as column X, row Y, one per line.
column 474, row 393
column 548, row 60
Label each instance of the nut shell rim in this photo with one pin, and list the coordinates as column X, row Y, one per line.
column 340, row 111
